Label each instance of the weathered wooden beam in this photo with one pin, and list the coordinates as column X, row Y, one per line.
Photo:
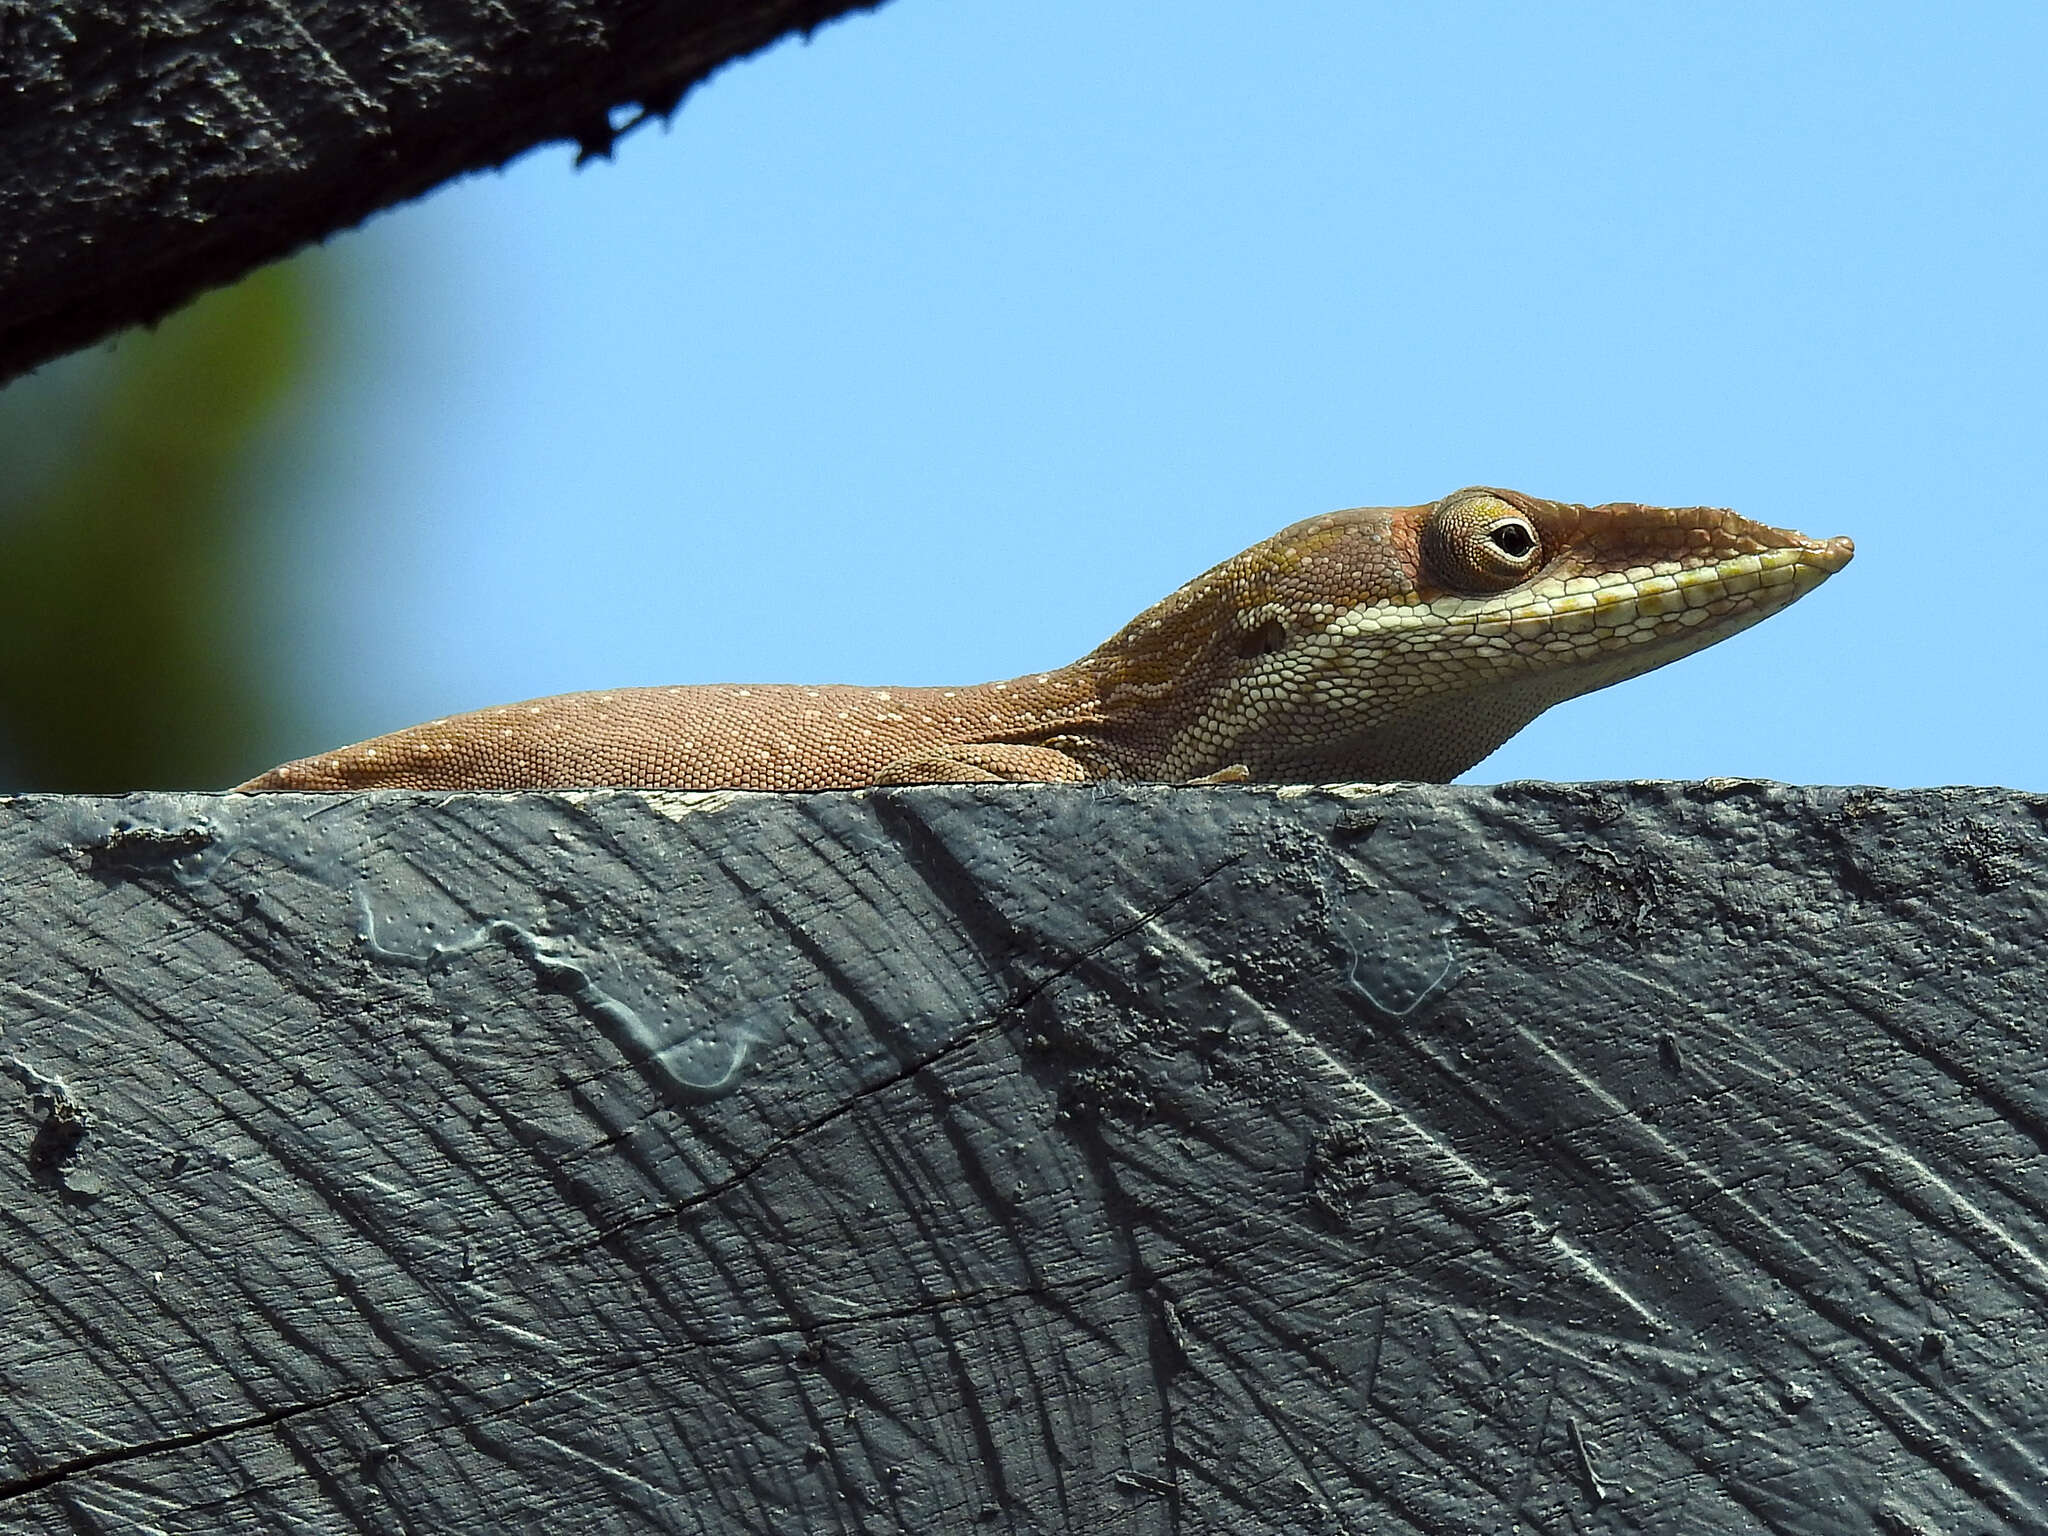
column 1032, row 1158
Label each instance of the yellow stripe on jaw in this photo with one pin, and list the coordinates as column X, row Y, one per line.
column 1667, row 591
column 1678, row 597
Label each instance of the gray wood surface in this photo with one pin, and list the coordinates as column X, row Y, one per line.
column 1644, row 1157
column 151, row 149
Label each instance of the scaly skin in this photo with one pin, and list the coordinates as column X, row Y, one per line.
column 1375, row 644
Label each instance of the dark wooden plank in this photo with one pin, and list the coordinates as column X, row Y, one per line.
column 1650, row 1157
column 151, row 149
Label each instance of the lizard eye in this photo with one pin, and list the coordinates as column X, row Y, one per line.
column 1513, row 539
column 1480, row 544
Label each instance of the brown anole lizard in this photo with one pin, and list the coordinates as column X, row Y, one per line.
column 1372, row 644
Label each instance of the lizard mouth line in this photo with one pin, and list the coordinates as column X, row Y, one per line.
column 1570, row 613
column 1680, row 595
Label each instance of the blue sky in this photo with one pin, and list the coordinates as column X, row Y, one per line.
column 935, row 348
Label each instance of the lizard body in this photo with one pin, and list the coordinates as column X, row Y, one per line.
column 1372, row 644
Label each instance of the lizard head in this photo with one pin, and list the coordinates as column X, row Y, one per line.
column 1409, row 642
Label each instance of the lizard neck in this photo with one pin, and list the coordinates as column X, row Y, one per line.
column 1157, row 682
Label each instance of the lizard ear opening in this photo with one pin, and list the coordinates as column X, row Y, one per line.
column 1476, row 542
column 1262, row 639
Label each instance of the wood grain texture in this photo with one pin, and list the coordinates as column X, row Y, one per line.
column 1646, row 1157
column 151, row 149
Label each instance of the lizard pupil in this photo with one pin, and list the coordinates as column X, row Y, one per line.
column 1512, row 539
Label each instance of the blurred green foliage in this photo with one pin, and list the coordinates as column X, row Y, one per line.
column 130, row 503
